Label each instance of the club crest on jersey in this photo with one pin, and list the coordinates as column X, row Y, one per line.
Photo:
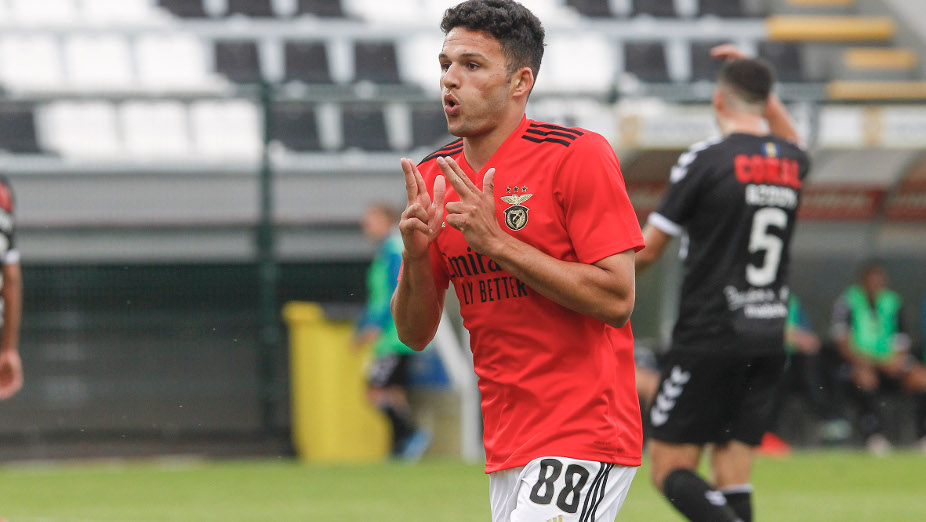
column 516, row 214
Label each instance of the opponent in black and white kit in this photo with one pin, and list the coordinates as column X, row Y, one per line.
column 11, row 370
column 734, row 202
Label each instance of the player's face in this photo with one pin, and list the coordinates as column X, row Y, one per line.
column 474, row 82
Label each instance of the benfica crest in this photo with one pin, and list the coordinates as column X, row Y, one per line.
column 516, row 214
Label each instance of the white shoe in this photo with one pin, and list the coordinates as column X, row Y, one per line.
column 878, row 445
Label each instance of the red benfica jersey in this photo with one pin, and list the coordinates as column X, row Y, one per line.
column 554, row 382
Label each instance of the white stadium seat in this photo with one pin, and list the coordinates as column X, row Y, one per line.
column 172, row 61
column 228, row 129
column 574, row 63
column 155, row 129
column 98, row 61
column 79, row 129
column 43, row 12
column 117, row 11
column 418, row 63
column 30, row 62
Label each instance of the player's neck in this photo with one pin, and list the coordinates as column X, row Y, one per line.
column 479, row 149
column 742, row 124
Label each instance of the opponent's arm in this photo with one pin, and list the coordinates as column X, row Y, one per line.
column 779, row 121
column 655, row 241
column 11, row 372
column 603, row 290
column 417, row 303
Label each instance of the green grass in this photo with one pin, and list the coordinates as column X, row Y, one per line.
column 844, row 486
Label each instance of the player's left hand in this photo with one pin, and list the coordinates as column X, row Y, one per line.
column 11, row 373
column 474, row 214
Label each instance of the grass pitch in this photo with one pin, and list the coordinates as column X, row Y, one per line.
column 844, row 486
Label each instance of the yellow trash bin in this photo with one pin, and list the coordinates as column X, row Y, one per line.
column 331, row 418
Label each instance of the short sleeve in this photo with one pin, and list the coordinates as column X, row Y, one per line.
column 680, row 201
column 598, row 215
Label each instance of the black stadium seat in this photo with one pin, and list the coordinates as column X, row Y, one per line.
column 184, row 8
column 658, row 8
column 364, row 127
column 238, row 60
column 429, row 126
column 17, row 130
column 703, row 67
column 785, row 57
column 306, row 62
column 376, row 62
column 323, row 8
column 294, row 125
column 646, row 60
column 251, row 8
column 721, row 8
column 592, row 8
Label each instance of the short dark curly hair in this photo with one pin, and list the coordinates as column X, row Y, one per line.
column 751, row 78
column 519, row 32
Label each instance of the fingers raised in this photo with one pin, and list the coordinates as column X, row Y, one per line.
column 411, row 182
column 488, row 182
column 457, row 178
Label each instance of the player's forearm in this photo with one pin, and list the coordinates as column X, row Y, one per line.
column 416, row 304
column 606, row 295
column 779, row 121
column 12, row 307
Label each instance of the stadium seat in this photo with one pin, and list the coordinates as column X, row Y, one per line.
column 44, row 12
column 364, row 127
column 306, row 62
column 98, row 61
column 703, row 66
column 172, row 61
column 116, row 11
column 79, row 129
column 785, row 57
column 657, row 8
column 565, row 73
column 30, row 62
column 154, row 129
column 226, row 129
column 721, row 8
column 251, row 8
column 376, row 62
column 320, row 8
column 419, row 65
column 592, row 8
column 184, row 8
column 238, row 60
column 429, row 126
column 378, row 11
column 295, row 126
column 646, row 60
column 17, row 129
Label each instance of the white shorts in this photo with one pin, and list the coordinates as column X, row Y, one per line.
column 559, row 489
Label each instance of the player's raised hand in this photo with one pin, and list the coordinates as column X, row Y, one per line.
column 421, row 220
column 728, row 52
column 474, row 214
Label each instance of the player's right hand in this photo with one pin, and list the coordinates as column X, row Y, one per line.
column 421, row 221
column 11, row 373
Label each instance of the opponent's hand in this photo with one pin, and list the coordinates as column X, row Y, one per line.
column 11, row 373
column 728, row 52
column 474, row 214
column 421, row 221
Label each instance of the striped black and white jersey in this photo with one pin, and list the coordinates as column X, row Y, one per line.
column 734, row 202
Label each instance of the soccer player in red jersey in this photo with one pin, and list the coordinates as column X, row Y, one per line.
column 532, row 225
column 11, row 369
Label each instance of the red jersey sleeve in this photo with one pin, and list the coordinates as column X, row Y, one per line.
column 596, row 208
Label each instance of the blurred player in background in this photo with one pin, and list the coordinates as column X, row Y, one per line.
column 869, row 333
column 735, row 200
column 387, row 379
column 538, row 238
column 11, row 370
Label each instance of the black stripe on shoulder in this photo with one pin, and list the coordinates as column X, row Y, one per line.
column 552, row 140
column 554, row 133
column 558, row 128
column 440, row 153
column 452, row 145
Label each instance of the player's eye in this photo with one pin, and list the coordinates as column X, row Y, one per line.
column 472, row 66
column 444, row 66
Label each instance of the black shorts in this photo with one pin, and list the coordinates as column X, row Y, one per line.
column 389, row 370
column 715, row 398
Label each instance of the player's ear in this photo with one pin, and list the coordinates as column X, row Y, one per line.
column 717, row 100
column 522, row 81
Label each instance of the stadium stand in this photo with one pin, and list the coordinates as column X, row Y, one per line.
column 320, row 8
column 238, row 60
column 306, row 62
column 17, row 129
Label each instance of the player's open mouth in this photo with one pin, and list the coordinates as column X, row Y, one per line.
column 451, row 106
